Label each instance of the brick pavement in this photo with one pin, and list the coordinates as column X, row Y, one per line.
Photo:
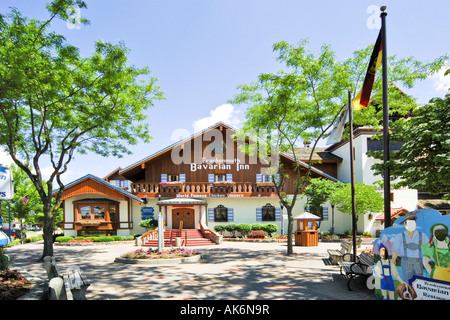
column 241, row 271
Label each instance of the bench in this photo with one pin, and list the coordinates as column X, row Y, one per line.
column 69, row 285
column 345, row 251
column 362, row 267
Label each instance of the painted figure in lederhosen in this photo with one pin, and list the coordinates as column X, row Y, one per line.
column 408, row 245
column 383, row 268
column 438, row 250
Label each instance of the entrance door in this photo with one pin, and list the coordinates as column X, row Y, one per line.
column 183, row 214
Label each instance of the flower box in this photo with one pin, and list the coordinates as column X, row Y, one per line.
column 171, row 183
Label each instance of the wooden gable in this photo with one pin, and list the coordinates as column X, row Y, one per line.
column 89, row 187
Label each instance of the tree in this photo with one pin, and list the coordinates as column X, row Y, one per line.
column 54, row 102
column 299, row 105
column 423, row 161
column 367, row 199
column 302, row 104
column 318, row 192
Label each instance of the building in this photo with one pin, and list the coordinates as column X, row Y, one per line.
column 206, row 180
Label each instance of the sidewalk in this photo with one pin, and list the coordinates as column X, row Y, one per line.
column 232, row 270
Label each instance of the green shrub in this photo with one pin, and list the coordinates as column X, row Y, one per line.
column 63, row 239
column 220, row 228
column 231, row 228
column 256, row 226
column 269, row 228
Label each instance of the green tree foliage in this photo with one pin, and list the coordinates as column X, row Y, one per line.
column 302, row 102
column 367, row 199
column 55, row 102
column 423, row 161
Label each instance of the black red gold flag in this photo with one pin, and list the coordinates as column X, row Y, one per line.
column 362, row 99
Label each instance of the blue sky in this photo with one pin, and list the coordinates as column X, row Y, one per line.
column 201, row 50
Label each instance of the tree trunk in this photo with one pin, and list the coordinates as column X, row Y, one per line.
column 48, row 231
column 290, row 227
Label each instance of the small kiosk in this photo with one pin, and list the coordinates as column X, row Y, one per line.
column 306, row 234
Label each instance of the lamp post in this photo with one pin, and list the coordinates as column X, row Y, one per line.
column 160, row 229
column 282, row 220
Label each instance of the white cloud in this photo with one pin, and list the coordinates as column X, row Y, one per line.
column 441, row 82
column 225, row 113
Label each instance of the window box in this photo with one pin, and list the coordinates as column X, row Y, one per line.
column 224, row 183
column 90, row 223
column 171, row 183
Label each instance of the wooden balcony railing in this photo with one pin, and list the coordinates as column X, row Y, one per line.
column 248, row 188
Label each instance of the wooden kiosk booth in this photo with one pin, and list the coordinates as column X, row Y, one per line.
column 306, row 234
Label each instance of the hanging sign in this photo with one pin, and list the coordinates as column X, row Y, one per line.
column 412, row 258
column 6, row 183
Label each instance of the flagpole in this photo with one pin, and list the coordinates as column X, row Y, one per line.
column 352, row 173
column 387, row 175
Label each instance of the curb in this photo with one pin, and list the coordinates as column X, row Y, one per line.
column 192, row 259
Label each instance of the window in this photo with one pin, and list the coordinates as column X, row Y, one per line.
column 268, row 212
column 220, row 178
column 220, row 214
column 85, row 212
column 173, row 177
column 99, row 213
column 96, row 209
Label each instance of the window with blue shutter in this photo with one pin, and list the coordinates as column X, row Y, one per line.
column 258, row 214
column 325, row 213
column 182, row 177
column 163, row 177
column 258, row 177
column 230, row 214
column 277, row 214
column 210, row 177
column 229, row 177
column 211, row 214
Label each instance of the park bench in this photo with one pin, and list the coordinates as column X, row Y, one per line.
column 362, row 267
column 338, row 255
column 69, row 285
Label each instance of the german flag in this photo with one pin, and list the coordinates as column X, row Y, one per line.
column 362, row 99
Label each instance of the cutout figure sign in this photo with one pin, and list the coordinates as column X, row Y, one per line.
column 412, row 258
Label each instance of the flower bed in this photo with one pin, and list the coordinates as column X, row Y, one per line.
column 152, row 256
column 13, row 285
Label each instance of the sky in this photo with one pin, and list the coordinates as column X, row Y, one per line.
column 201, row 50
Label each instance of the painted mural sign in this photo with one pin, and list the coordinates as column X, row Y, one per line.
column 412, row 258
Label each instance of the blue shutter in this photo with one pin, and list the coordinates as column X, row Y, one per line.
column 117, row 182
column 182, row 177
column 210, row 177
column 229, row 177
column 258, row 214
column 258, row 177
column 325, row 213
column 163, row 177
column 277, row 214
column 230, row 214
column 211, row 214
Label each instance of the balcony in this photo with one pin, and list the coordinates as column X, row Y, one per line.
column 203, row 189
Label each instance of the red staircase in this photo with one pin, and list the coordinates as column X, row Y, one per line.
column 194, row 238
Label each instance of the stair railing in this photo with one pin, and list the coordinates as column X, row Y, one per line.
column 208, row 233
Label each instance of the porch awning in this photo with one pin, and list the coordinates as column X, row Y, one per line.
column 181, row 201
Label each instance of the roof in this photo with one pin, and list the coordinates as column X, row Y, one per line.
column 306, row 216
column 437, row 204
column 181, row 142
column 90, row 176
column 395, row 213
column 321, row 153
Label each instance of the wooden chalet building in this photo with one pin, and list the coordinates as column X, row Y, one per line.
column 198, row 182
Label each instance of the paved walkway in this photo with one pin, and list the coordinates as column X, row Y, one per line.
column 232, row 270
